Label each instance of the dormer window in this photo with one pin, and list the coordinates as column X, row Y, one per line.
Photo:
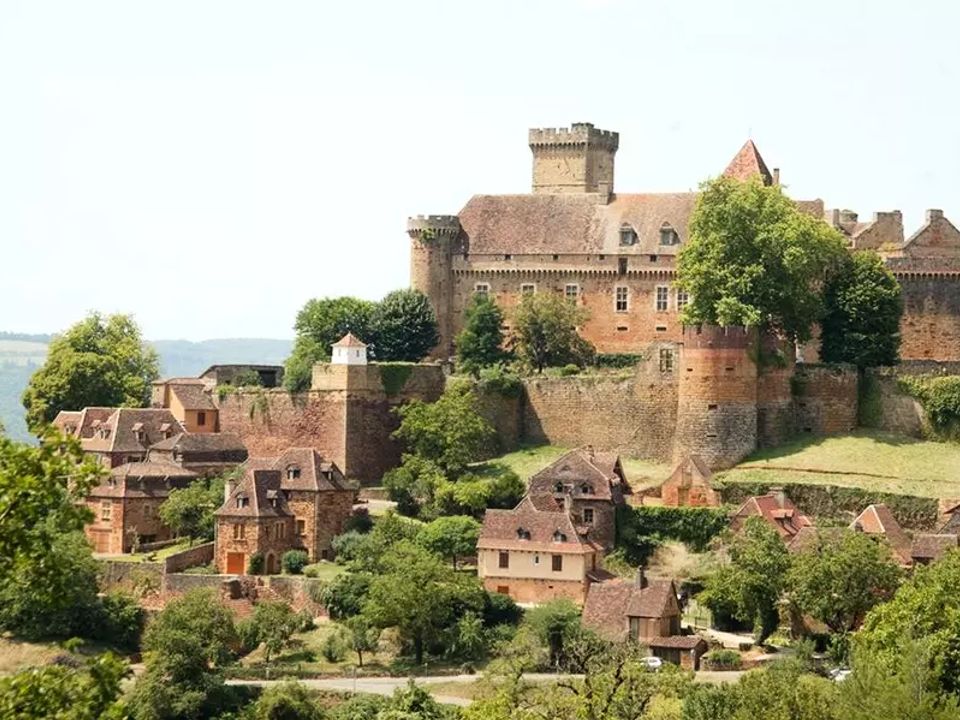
column 293, row 472
column 586, row 489
column 243, row 501
column 668, row 236
column 523, row 534
column 558, row 487
column 628, row 236
column 559, row 537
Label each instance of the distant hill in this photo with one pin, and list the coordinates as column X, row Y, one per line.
column 21, row 354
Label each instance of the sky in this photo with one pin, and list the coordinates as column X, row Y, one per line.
column 211, row 165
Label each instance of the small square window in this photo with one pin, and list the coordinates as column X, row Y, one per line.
column 293, row 472
column 711, row 407
column 668, row 236
column 653, row 258
column 628, row 236
column 507, row 256
column 528, row 289
column 571, row 292
column 622, row 299
column 661, row 328
column 556, row 257
column 106, row 510
column 481, row 289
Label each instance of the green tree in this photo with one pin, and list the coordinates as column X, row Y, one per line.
column 344, row 596
column 784, row 692
column 414, row 483
column 480, row 343
column 450, row 537
column 840, row 578
column 186, row 645
column 362, row 636
column 419, row 596
column 404, row 327
column 319, row 324
column 275, row 623
column 87, row 692
column 545, row 332
column 753, row 258
column 287, row 701
column 190, row 511
column 449, row 432
column 99, row 361
column 750, row 585
column 861, row 322
column 555, row 623
column 925, row 610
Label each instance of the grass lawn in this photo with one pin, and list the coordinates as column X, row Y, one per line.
column 154, row 556
column 867, row 459
column 325, row 570
column 528, row 461
column 16, row 655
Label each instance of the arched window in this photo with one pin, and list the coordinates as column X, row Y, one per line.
column 559, row 537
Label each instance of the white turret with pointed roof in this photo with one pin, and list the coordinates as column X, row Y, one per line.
column 349, row 350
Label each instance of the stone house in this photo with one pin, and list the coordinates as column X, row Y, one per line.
column 207, row 454
column 877, row 520
column 591, row 485
column 776, row 509
column 689, row 485
column 644, row 611
column 125, row 505
column 254, row 521
column 190, row 401
column 117, row 436
column 536, row 552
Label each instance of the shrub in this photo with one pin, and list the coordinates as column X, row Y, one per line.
column 501, row 380
column 255, row 566
column 334, row 647
column 940, row 398
column 569, row 369
column 121, row 621
column 641, row 529
column 723, row 659
column 294, row 561
column 618, row 360
column 359, row 521
column 499, row 610
column 248, row 635
column 349, row 546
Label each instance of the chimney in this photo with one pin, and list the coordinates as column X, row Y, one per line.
column 934, row 215
column 776, row 176
column 779, row 495
column 228, row 487
column 641, row 577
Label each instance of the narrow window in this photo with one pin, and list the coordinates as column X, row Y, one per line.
column 666, row 360
column 238, row 531
column 293, row 472
column 504, row 560
column 481, row 289
column 628, row 236
column 588, row 516
column 622, row 298
column 683, row 299
column 634, row 628
column 301, row 528
column 536, row 559
column 558, row 563
column 106, row 510
column 243, row 501
column 663, row 298
column 528, row 289
column 622, row 266
column 201, row 418
column 571, row 292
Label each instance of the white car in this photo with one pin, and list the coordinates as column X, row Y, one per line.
column 652, row 663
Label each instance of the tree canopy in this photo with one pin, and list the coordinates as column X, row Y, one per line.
column 480, row 343
column 190, row 511
column 404, row 327
column 863, row 306
column 101, row 360
column 450, row 537
column 754, row 258
column 545, row 332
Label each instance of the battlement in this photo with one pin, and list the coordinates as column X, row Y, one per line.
column 432, row 225
column 706, row 337
column 576, row 134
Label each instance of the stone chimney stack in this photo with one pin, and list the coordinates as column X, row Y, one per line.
column 779, row 495
column 641, row 577
column 776, row 176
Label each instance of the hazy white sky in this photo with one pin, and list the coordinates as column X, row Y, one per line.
column 209, row 166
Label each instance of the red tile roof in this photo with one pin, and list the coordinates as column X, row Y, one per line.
column 350, row 340
column 116, row 433
column 747, row 163
column 878, row 520
column 193, row 396
column 143, row 479
column 583, row 474
column 932, row 547
column 776, row 509
column 549, row 531
column 610, row 604
column 315, row 472
column 264, row 499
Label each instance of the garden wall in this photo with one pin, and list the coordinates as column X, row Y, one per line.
column 199, row 555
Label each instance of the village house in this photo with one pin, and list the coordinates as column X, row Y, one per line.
column 255, row 526
column 190, row 402
column 877, row 520
column 117, row 436
column 207, row 454
column 125, row 505
column 302, row 487
column 776, row 509
column 646, row 612
column 536, row 552
column 591, row 485
column 929, row 547
column 689, row 485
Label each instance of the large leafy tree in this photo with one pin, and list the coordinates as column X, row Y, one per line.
column 925, row 610
column 450, row 537
column 275, row 623
column 287, row 701
column 749, row 586
column 545, row 332
column 480, row 343
column 102, row 360
column 861, row 323
column 420, row 596
column 404, row 327
column 190, row 511
column 449, row 432
column 753, row 258
column 319, row 324
column 841, row 577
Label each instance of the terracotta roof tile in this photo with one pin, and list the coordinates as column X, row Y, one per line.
column 315, row 472
column 747, row 163
column 350, row 340
column 143, row 479
column 877, row 519
column 933, row 547
column 201, row 447
column 193, row 396
column 676, row 642
column 548, row 531
column 776, row 509
column 256, row 496
column 610, row 604
column 116, row 433
column 582, row 474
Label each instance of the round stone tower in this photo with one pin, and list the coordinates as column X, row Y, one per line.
column 434, row 240
column 717, row 395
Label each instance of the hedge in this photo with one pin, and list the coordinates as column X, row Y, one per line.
column 841, row 504
column 641, row 529
column 940, row 398
column 617, row 360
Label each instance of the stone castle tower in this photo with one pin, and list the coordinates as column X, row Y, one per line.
column 578, row 159
column 717, row 395
column 435, row 239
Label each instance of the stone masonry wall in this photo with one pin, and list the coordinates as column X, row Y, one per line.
column 930, row 326
column 199, row 555
column 826, row 399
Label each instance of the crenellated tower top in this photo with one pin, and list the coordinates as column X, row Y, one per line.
column 578, row 159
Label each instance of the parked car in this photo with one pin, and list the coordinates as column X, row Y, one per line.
column 652, row 663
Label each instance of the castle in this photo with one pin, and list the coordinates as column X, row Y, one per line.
column 615, row 254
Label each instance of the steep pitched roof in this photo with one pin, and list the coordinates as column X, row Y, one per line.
column 527, row 528
column 610, row 604
column 199, row 447
column 350, row 341
column 691, row 471
column 877, row 519
column 583, row 474
column 315, row 472
column 777, row 510
column 257, row 495
column 118, row 433
column 193, row 396
column 143, row 479
column 747, row 163
column 932, row 547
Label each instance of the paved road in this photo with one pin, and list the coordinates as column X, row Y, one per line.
column 386, row 685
